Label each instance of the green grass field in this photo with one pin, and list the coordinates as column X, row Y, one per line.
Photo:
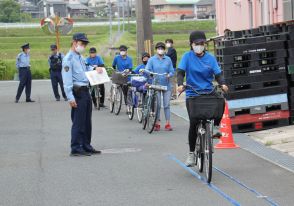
column 12, row 39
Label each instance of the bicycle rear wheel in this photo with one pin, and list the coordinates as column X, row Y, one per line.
column 208, row 152
column 111, row 99
column 117, row 100
column 152, row 117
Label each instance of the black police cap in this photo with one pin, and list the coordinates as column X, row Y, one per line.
column 92, row 50
column 160, row 45
column 123, row 47
column 53, row 46
column 80, row 37
column 197, row 37
column 25, row 46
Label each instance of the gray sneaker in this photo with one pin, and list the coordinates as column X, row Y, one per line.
column 191, row 160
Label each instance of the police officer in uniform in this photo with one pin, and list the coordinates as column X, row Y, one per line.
column 55, row 64
column 25, row 76
column 76, row 86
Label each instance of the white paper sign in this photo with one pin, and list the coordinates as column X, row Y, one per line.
column 97, row 78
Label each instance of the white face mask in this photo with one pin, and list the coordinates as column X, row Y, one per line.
column 80, row 49
column 168, row 45
column 160, row 51
column 122, row 53
column 198, row 49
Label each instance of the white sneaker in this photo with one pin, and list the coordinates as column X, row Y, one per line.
column 216, row 132
column 191, row 159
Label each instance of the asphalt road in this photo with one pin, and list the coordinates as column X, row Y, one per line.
column 136, row 168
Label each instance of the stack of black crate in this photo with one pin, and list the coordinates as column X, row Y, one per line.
column 254, row 64
column 290, row 69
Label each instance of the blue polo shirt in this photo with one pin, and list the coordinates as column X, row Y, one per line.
column 161, row 65
column 97, row 60
column 200, row 71
column 122, row 63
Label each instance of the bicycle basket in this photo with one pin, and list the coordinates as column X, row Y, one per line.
column 158, row 87
column 138, row 81
column 118, row 78
column 206, row 107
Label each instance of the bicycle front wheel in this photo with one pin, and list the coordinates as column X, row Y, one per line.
column 117, row 100
column 145, row 112
column 130, row 105
column 208, row 153
column 139, row 108
column 152, row 117
column 199, row 151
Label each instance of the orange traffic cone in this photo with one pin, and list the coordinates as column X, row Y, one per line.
column 226, row 140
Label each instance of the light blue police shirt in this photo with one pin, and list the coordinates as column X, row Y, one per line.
column 73, row 73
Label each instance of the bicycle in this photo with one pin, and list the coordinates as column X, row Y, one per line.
column 204, row 141
column 97, row 95
column 116, row 93
column 151, row 106
column 135, row 97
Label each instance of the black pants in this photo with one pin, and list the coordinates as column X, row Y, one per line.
column 125, row 89
column 193, row 129
column 56, row 78
column 102, row 93
column 81, row 131
column 25, row 81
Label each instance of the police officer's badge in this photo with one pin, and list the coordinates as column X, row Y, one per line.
column 66, row 68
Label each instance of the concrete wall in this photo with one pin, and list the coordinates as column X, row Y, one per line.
column 246, row 14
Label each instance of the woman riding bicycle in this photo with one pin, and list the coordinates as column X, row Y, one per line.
column 160, row 63
column 200, row 68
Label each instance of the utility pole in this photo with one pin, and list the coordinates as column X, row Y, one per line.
column 123, row 14
column 118, row 16
column 144, row 28
column 110, row 22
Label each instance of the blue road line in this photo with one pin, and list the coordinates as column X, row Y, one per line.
column 211, row 186
column 258, row 195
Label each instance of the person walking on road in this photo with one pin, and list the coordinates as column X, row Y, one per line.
column 96, row 61
column 160, row 63
column 25, row 75
column 122, row 62
column 76, row 87
column 55, row 64
column 172, row 54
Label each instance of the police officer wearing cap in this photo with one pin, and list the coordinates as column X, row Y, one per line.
column 77, row 91
column 55, row 64
column 25, row 76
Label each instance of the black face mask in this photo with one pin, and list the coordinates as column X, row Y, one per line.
column 145, row 62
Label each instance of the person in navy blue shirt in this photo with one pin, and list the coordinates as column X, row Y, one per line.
column 76, row 87
column 122, row 62
column 200, row 68
column 25, row 76
column 160, row 63
column 96, row 61
column 55, row 67
column 172, row 54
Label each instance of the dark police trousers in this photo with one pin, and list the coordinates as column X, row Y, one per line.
column 25, row 81
column 81, row 116
column 56, row 78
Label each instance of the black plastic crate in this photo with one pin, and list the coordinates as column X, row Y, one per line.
column 257, row 78
column 252, row 71
column 229, row 59
column 290, row 44
column 254, row 63
column 252, row 48
column 256, row 92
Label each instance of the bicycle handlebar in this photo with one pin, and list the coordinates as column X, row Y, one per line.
column 201, row 93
